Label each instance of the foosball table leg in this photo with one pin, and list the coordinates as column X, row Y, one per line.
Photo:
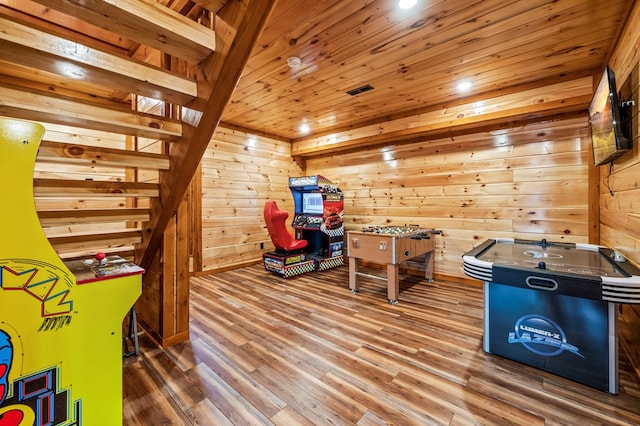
column 428, row 266
column 353, row 274
column 393, row 285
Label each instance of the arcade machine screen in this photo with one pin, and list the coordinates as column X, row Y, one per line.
column 312, row 203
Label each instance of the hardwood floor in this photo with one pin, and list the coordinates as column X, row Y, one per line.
column 305, row 351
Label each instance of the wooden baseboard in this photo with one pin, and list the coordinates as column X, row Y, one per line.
column 225, row 268
column 163, row 342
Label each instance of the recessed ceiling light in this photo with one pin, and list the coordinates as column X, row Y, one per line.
column 406, row 4
column 71, row 70
column 464, row 86
column 501, row 140
column 304, row 129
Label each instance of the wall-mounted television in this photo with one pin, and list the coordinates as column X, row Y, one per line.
column 608, row 136
column 312, row 203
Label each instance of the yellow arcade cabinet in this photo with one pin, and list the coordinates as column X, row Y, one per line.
column 60, row 337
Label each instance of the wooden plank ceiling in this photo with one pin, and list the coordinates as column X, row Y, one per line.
column 413, row 59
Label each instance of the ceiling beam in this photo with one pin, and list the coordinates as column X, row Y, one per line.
column 541, row 103
column 242, row 22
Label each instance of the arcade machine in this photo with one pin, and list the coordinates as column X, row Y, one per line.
column 60, row 334
column 318, row 241
column 289, row 258
column 319, row 211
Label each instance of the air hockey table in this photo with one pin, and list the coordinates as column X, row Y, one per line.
column 554, row 305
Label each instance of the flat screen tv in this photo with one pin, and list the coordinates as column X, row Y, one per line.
column 607, row 136
column 312, row 203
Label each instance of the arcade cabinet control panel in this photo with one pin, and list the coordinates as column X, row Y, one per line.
column 101, row 267
column 305, row 221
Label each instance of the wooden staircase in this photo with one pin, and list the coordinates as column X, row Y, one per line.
column 125, row 91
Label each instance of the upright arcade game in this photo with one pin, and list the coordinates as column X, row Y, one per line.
column 60, row 334
column 319, row 211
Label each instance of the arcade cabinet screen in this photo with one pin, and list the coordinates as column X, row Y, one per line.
column 312, row 203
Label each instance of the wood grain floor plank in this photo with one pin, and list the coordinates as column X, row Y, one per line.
column 199, row 329
column 308, row 395
column 370, row 419
column 392, row 407
column 317, row 326
column 258, row 396
column 222, row 394
column 288, row 416
column 206, row 413
column 306, row 351
column 465, row 402
column 175, row 382
column 145, row 400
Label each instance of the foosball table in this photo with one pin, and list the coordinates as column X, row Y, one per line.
column 390, row 245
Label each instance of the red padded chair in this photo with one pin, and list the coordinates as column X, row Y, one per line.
column 280, row 235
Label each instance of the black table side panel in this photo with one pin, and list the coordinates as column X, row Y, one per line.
column 568, row 284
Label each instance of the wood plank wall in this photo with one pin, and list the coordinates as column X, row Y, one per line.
column 78, row 220
column 240, row 171
column 528, row 182
column 620, row 184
